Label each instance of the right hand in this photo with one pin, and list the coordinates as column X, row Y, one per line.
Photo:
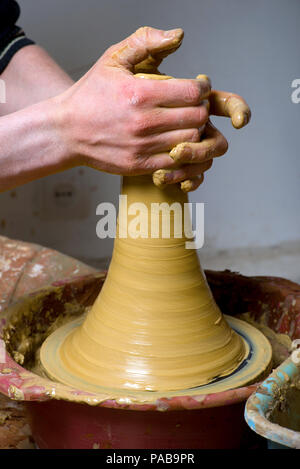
column 115, row 122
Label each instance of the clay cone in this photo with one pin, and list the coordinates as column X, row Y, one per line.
column 155, row 324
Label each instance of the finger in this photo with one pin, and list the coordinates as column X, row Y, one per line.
column 190, row 185
column 214, row 144
column 142, row 43
column 152, row 163
column 160, row 121
column 164, row 142
column 230, row 105
column 153, row 61
column 162, row 177
column 175, row 92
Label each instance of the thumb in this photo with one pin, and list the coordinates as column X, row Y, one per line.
column 143, row 43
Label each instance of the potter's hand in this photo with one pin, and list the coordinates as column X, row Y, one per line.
column 194, row 158
column 116, row 122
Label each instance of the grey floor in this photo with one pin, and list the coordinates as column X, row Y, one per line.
column 281, row 261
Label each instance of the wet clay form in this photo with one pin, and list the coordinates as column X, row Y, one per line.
column 155, row 325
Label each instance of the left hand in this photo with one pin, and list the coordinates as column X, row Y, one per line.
column 194, row 158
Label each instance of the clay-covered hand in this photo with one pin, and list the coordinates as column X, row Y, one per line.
column 194, row 158
column 116, row 122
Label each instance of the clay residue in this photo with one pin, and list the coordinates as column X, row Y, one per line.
column 281, row 343
column 27, row 327
column 286, row 407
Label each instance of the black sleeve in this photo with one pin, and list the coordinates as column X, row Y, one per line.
column 12, row 37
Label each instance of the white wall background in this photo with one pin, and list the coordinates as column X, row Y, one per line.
column 252, row 194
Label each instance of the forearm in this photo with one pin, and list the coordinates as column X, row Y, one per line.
column 30, row 145
column 32, row 76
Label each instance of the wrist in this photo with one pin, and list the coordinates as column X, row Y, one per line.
column 63, row 120
column 59, row 123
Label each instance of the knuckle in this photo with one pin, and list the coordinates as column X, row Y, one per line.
column 141, row 36
column 141, row 124
column 203, row 115
column 193, row 94
column 141, row 146
column 130, row 162
column 143, row 31
column 136, row 95
column 149, row 164
column 179, row 175
column 194, row 135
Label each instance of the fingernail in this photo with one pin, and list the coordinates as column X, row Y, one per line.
column 178, row 33
column 203, row 78
column 161, row 176
column 239, row 120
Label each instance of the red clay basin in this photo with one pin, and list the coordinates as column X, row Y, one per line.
column 64, row 417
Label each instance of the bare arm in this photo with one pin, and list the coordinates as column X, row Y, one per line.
column 32, row 76
column 106, row 120
column 30, row 146
column 109, row 119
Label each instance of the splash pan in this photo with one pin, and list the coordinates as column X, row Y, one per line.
column 64, row 416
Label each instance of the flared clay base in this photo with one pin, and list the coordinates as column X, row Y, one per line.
column 255, row 365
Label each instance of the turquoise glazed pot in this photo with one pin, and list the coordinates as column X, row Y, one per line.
column 273, row 411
